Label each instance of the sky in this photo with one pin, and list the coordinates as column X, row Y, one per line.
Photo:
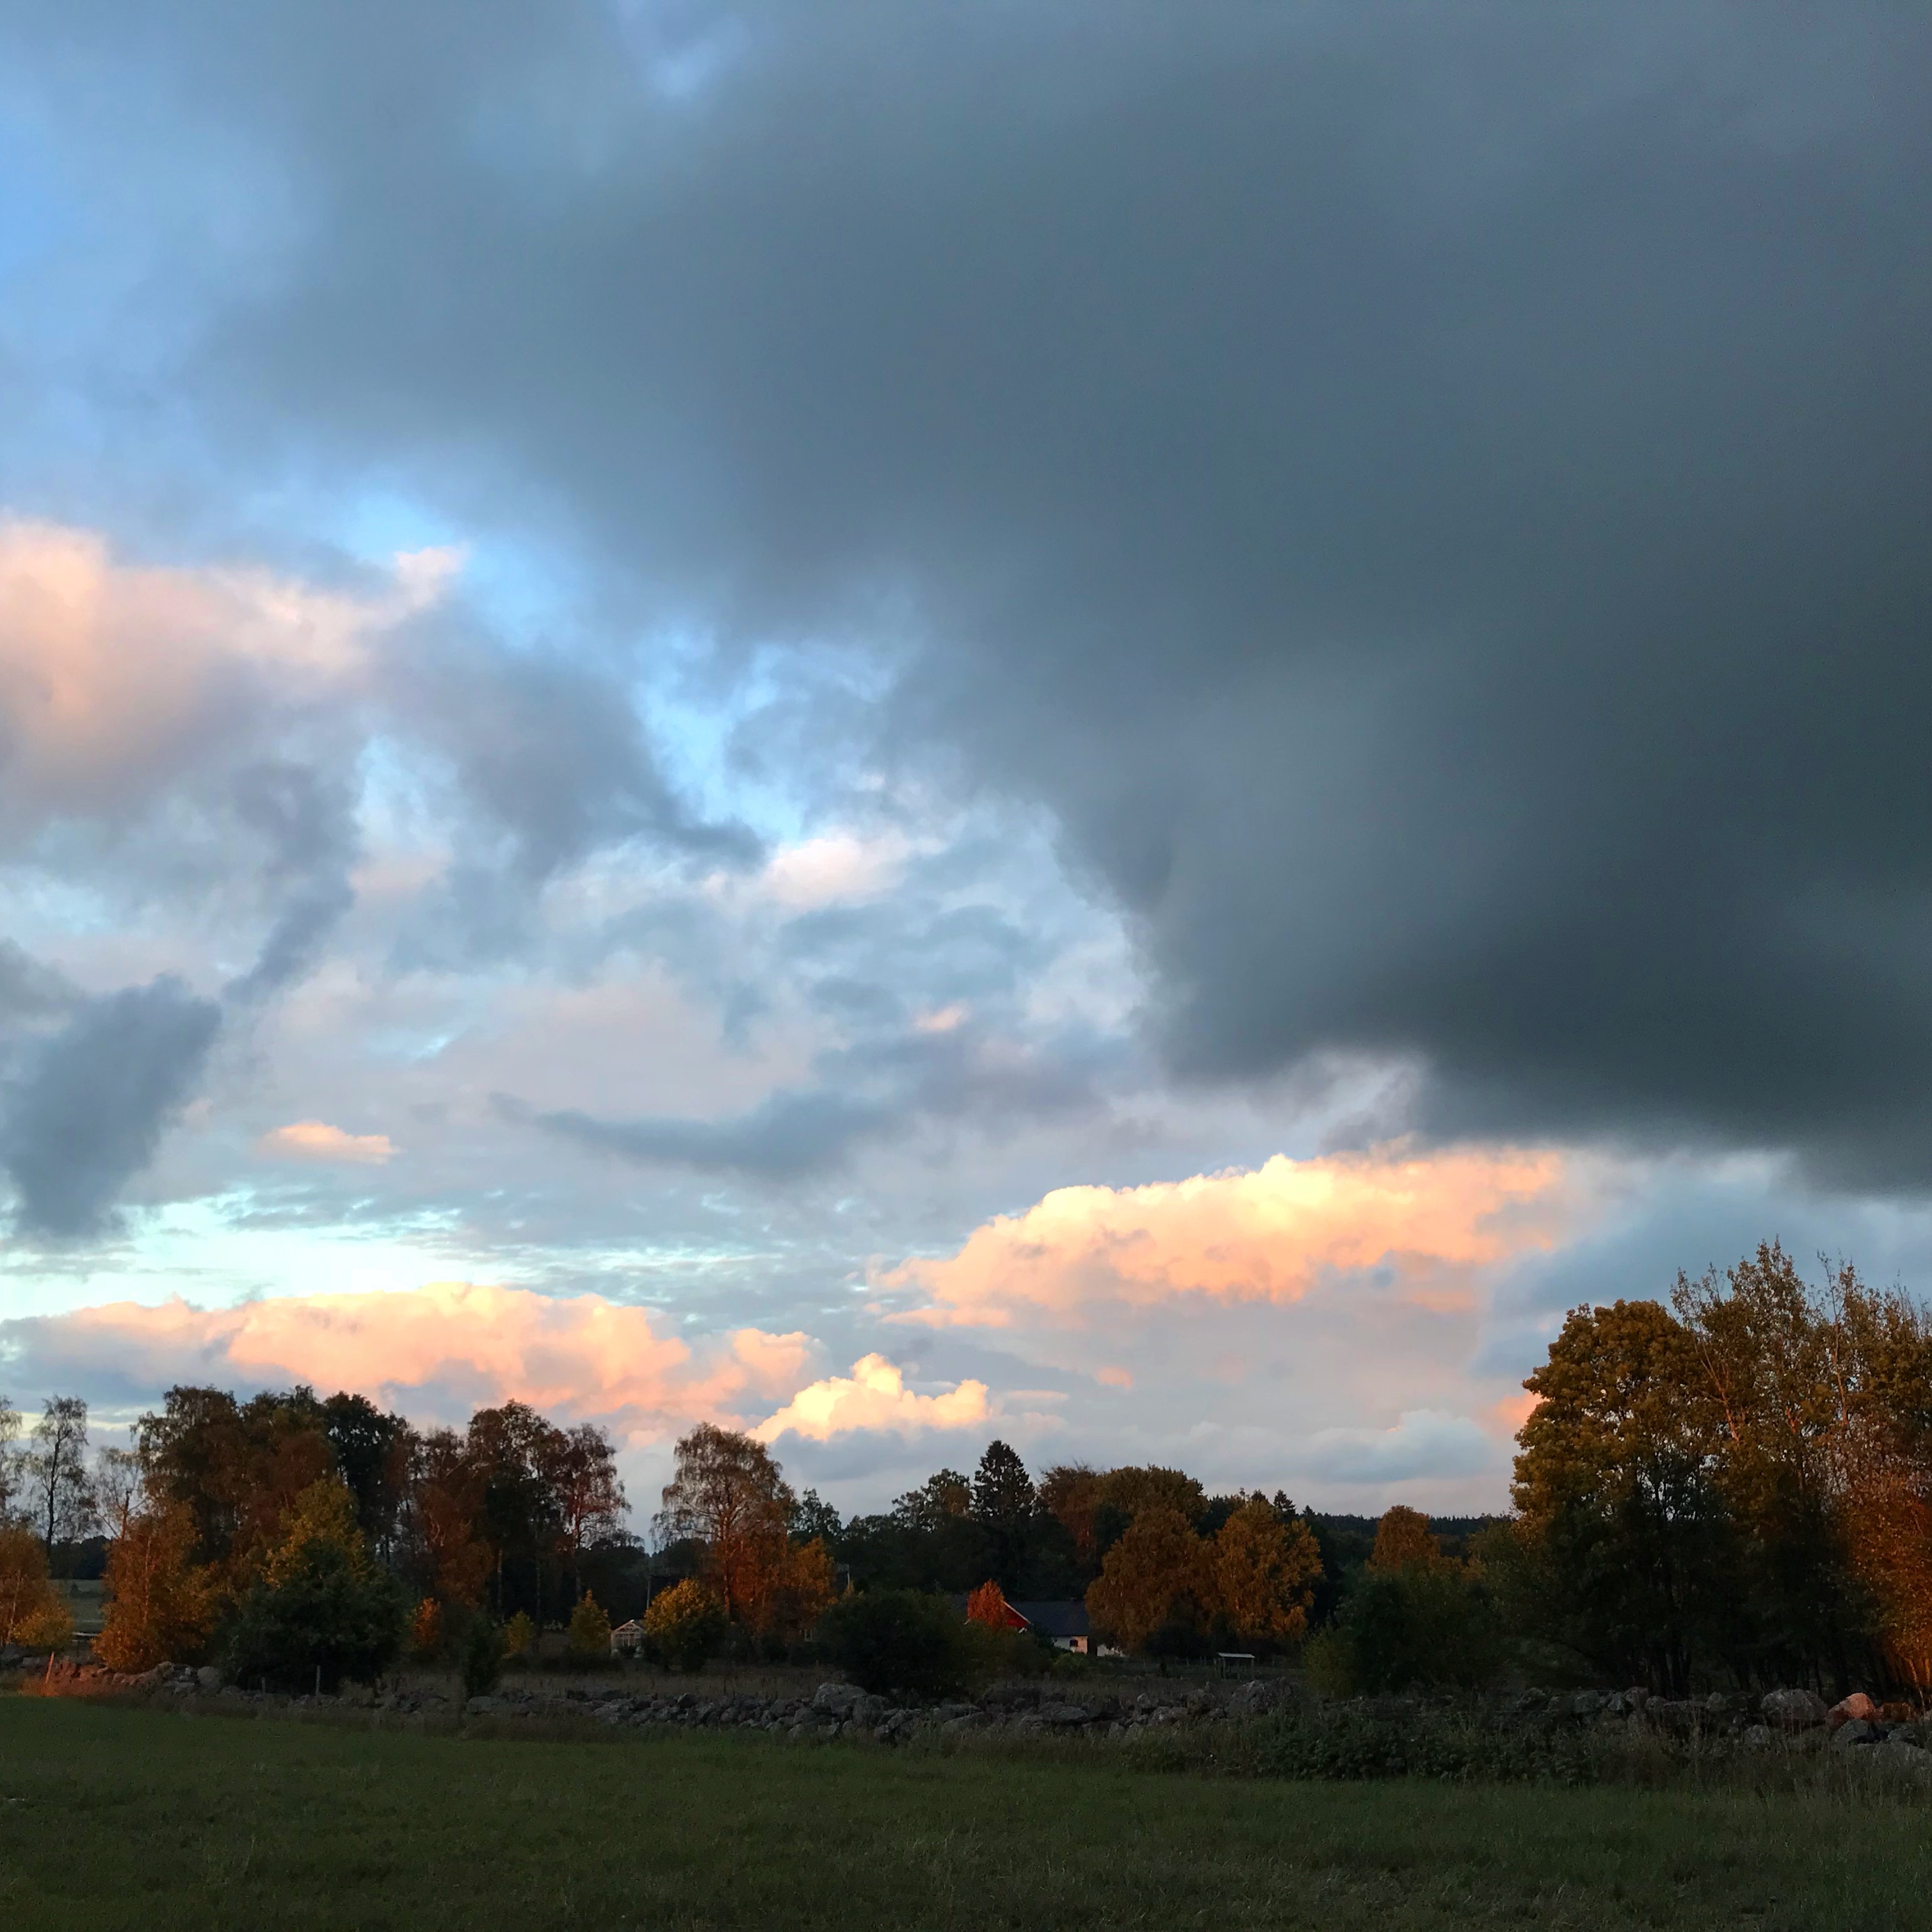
column 1133, row 727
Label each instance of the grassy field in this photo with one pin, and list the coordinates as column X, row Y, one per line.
column 112, row 1818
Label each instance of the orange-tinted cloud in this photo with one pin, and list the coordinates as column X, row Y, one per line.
column 435, row 1351
column 317, row 1140
column 1266, row 1234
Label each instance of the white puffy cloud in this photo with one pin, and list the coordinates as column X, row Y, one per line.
column 873, row 1397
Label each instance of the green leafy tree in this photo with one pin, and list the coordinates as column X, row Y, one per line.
column 321, row 1605
column 1005, row 1506
column 1403, row 1629
column 905, row 1641
column 685, row 1624
column 1623, row 1548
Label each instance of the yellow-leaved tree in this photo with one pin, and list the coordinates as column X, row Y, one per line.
column 161, row 1603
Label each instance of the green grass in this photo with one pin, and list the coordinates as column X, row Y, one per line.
column 115, row 1817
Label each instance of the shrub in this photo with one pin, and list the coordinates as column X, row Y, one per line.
column 684, row 1625
column 322, row 1606
column 519, row 1636
column 902, row 1640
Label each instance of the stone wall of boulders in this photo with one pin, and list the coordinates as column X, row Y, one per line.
column 1265, row 1727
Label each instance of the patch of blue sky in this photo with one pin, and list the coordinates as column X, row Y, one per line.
column 37, row 211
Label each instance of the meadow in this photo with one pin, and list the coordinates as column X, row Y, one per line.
column 118, row 1817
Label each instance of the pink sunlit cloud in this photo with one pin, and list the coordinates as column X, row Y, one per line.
column 1266, row 1234
column 435, row 1352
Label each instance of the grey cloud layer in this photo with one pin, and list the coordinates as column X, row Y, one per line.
column 1434, row 502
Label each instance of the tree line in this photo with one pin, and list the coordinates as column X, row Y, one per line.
column 1734, row 1488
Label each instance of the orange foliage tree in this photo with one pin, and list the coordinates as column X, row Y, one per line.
column 30, row 1613
column 1405, row 1541
column 1159, row 1577
column 1265, row 1571
column 988, row 1605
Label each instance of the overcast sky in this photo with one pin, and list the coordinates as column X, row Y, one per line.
column 1133, row 726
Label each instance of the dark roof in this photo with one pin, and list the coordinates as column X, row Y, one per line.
column 1060, row 1619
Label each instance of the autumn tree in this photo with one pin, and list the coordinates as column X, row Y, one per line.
column 797, row 1595
column 1156, row 1582
column 988, row 1605
column 1405, row 1541
column 1777, row 1375
column 237, row 1467
column 685, row 1624
column 160, row 1604
column 31, row 1613
column 727, row 1492
column 439, row 1545
column 1265, row 1569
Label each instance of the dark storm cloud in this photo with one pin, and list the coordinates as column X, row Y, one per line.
column 1433, row 500
column 83, row 1113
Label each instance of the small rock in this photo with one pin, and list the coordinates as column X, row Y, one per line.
column 837, row 1700
column 1855, row 1731
column 1063, row 1716
column 1585, row 1704
column 1758, row 1736
column 208, row 1678
column 1857, row 1708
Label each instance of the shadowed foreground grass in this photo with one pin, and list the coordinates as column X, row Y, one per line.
column 112, row 1818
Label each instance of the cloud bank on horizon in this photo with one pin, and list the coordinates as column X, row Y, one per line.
column 913, row 682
